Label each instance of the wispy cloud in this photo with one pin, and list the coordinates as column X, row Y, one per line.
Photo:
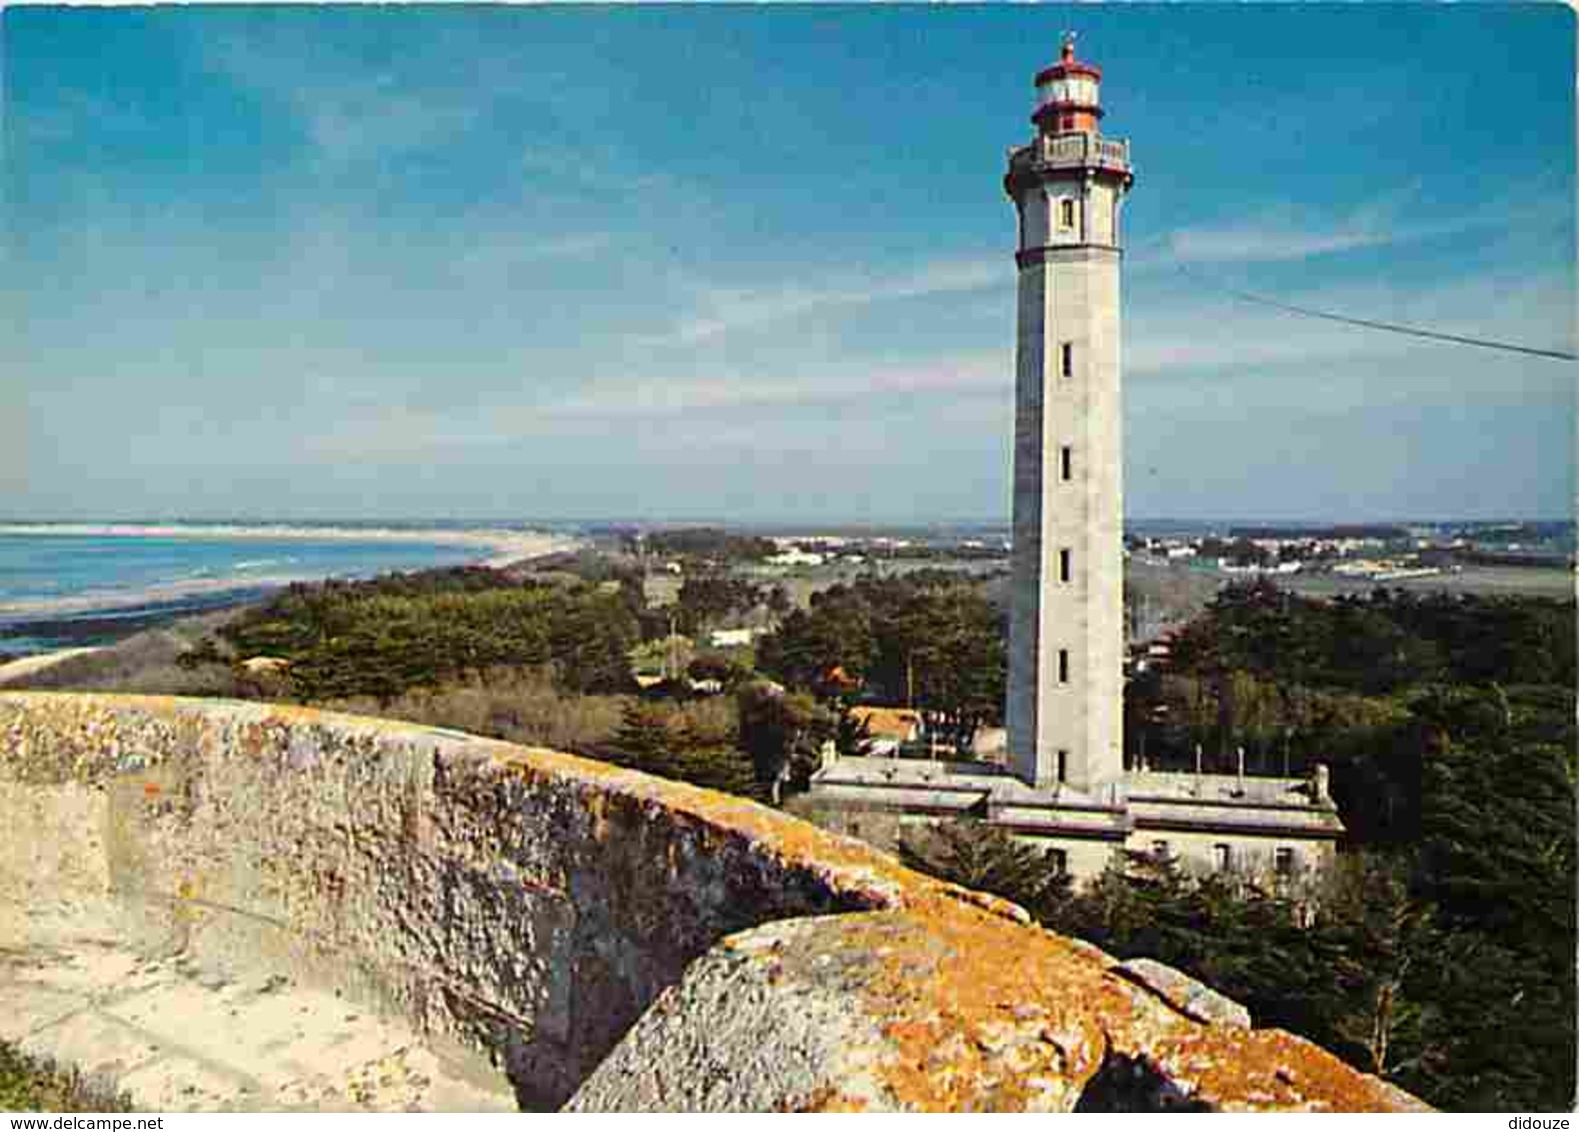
column 1282, row 233
column 1185, row 336
column 492, row 256
column 610, row 405
column 989, row 373
column 721, row 311
column 348, row 112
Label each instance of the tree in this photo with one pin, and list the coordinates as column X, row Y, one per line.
column 658, row 739
column 783, row 732
column 978, row 856
column 1381, row 932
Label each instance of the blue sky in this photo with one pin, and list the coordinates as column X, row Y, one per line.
column 756, row 262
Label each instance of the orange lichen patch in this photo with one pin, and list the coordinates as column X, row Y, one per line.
column 1239, row 1069
column 151, row 789
column 829, row 1099
column 984, row 1015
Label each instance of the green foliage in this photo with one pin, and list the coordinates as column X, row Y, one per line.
column 1449, row 723
column 383, row 637
column 989, row 860
column 708, row 600
column 716, row 666
column 925, row 640
column 1384, row 642
column 709, row 543
column 783, row 733
column 671, row 742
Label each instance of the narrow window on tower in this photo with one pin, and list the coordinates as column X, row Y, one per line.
column 1066, row 459
column 1066, row 363
column 1065, row 564
column 1066, row 214
column 1063, row 666
column 1063, row 765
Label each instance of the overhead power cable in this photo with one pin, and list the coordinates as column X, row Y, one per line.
column 1372, row 324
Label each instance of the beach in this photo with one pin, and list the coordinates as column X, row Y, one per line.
column 81, row 584
column 28, row 665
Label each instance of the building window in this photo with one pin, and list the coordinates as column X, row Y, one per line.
column 1066, row 462
column 1222, row 858
column 1063, row 765
column 1285, row 862
column 1159, row 850
column 1066, row 214
column 1069, row 121
column 1065, row 564
column 1066, row 364
column 1063, row 666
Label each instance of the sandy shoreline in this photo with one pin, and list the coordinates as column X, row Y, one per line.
column 494, row 549
column 28, row 665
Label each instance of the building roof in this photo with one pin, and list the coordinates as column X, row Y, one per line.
column 1208, row 803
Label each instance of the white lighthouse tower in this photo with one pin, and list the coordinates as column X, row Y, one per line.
column 1066, row 638
column 1069, row 794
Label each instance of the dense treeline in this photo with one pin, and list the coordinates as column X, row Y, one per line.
column 926, row 640
column 750, row 744
column 536, row 662
column 1382, row 642
column 710, row 543
column 380, row 638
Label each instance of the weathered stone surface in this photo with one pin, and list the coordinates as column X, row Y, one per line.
column 1193, row 998
column 952, row 1010
column 177, row 1037
column 532, row 906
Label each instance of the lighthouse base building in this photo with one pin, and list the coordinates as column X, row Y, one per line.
column 1066, row 786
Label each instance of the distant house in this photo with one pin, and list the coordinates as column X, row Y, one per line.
column 794, row 557
column 889, row 727
column 732, row 638
column 265, row 665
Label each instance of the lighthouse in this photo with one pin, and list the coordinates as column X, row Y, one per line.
column 1069, row 794
column 1066, row 631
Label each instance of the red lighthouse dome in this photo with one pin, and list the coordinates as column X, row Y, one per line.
column 1068, row 94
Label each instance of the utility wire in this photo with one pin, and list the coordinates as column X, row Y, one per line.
column 1395, row 328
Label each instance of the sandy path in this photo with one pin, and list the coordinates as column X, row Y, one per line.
column 11, row 670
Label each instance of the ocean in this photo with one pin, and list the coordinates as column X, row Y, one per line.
column 82, row 584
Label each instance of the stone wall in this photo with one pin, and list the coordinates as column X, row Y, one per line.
column 557, row 914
